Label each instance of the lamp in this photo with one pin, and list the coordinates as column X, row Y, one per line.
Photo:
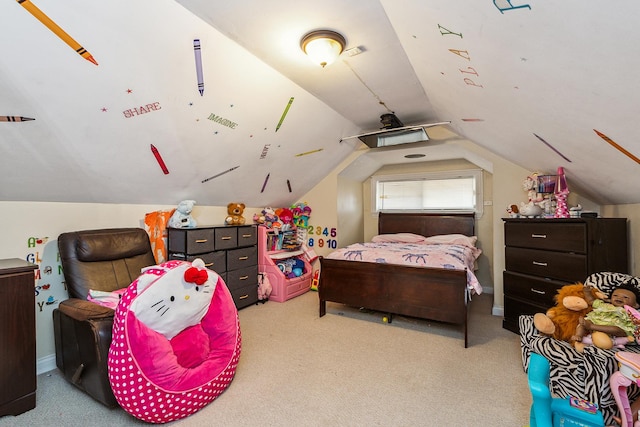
column 323, row 46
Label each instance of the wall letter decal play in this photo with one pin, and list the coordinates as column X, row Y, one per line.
column 37, row 13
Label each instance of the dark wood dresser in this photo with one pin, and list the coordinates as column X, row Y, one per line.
column 231, row 251
column 542, row 255
column 17, row 337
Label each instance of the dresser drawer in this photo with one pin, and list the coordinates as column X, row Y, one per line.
column 245, row 296
column 242, row 257
column 244, row 277
column 566, row 237
column 536, row 290
column 191, row 241
column 216, row 261
column 546, row 264
column 247, row 235
column 226, row 238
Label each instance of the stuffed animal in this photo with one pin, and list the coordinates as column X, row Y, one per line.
column 182, row 218
column 235, row 211
column 285, row 216
column 561, row 320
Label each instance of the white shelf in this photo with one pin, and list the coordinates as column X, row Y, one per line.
column 284, row 254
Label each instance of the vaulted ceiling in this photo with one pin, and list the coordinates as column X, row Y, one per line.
column 543, row 85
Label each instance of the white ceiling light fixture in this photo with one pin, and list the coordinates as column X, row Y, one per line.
column 323, row 46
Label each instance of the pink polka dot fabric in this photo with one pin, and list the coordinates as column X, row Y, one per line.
column 155, row 393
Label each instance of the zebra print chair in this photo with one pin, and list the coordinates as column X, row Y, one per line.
column 583, row 375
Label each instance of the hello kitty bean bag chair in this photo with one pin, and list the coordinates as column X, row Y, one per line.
column 176, row 342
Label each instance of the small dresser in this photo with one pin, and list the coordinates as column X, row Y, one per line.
column 17, row 337
column 230, row 251
column 542, row 255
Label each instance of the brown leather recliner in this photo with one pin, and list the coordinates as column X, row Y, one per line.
column 103, row 260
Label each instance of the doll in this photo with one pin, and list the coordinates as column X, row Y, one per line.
column 610, row 318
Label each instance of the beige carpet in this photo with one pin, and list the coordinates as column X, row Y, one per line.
column 345, row 369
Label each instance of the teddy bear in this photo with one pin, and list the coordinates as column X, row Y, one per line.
column 561, row 320
column 235, row 211
column 182, row 218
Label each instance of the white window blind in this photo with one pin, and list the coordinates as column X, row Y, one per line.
column 451, row 191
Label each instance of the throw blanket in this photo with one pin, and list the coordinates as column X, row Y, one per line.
column 457, row 257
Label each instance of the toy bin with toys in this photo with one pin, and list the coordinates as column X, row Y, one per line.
column 281, row 257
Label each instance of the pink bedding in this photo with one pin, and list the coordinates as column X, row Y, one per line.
column 451, row 256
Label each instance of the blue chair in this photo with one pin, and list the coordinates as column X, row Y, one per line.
column 548, row 411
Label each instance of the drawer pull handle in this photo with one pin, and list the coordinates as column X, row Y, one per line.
column 244, row 296
column 243, row 258
column 538, row 292
column 209, row 264
column 247, row 235
column 244, row 277
column 542, row 264
column 201, row 241
column 539, row 236
column 226, row 238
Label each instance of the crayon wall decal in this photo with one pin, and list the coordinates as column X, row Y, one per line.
column 40, row 16
column 158, row 157
column 264, row 185
column 617, row 147
column 15, row 119
column 219, row 174
column 198, row 54
column 553, row 148
column 284, row 114
column 289, row 185
column 309, row 152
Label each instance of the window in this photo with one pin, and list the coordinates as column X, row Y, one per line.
column 449, row 191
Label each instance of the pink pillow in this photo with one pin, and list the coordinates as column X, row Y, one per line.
column 398, row 238
column 452, row 239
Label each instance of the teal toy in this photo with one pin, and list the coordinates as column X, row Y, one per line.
column 548, row 411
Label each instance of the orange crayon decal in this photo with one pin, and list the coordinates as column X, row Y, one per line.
column 40, row 16
column 616, row 146
column 15, row 119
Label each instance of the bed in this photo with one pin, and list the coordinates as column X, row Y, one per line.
column 431, row 293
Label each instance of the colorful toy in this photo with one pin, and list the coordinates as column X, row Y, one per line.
column 561, row 320
column 285, row 215
column 627, row 374
column 548, row 411
column 610, row 322
column 301, row 214
column 176, row 342
column 182, row 218
column 235, row 211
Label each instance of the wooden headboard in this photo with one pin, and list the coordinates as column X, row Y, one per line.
column 426, row 224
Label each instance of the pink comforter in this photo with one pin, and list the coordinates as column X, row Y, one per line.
column 456, row 257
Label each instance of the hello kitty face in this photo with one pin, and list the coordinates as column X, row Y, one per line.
column 170, row 299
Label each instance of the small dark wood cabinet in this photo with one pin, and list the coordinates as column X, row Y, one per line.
column 542, row 255
column 231, row 251
column 17, row 337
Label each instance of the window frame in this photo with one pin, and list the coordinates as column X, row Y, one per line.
column 476, row 174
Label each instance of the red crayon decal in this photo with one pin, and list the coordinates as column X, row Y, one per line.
column 158, row 157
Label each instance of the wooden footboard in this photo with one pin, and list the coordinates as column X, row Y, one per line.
column 428, row 293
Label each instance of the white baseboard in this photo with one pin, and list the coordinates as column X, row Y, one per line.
column 497, row 311
column 46, row 364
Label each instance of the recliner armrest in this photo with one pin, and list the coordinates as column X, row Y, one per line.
column 82, row 310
